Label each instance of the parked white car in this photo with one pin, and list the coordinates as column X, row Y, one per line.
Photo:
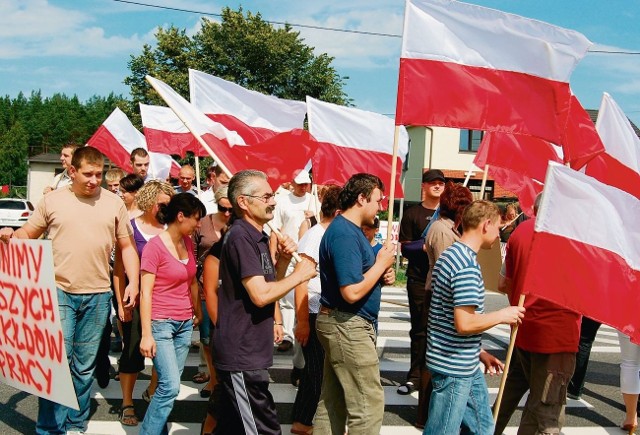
column 14, row 212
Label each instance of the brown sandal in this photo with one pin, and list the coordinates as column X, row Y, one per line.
column 200, row 378
column 128, row 419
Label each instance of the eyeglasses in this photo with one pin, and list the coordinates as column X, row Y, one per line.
column 222, row 209
column 264, row 198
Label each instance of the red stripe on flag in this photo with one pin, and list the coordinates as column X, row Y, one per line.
column 167, row 142
column 586, row 279
column 280, row 157
column 460, row 96
column 250, row 135
column 609, row 170
column 108, row 145
column 581, row 141
column 335, row 165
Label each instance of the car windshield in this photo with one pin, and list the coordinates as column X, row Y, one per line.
column 12, row 205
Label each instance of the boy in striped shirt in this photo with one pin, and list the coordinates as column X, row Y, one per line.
column 456, row 322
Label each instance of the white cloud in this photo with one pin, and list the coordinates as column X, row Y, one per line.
column 353, row 50
column 37, row 28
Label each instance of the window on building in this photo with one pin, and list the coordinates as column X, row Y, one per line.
column 470, row 140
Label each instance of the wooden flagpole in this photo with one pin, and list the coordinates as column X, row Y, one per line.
column 507, row 363
column 211, row 153
column 484, row 181
column 198, row 175
column 392, row 187
column 466, row 179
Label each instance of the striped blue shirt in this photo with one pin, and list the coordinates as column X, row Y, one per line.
column 456, row 282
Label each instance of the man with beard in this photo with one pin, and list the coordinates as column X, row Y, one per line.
column 351, row 278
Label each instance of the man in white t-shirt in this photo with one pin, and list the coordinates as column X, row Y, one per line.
column 288, row 215
column 216, row 178
column 63, row 179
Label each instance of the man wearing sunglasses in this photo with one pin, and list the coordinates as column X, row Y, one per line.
column 244, row 333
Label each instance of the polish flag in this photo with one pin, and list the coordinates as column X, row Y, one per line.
column 166, row 133
column 518, row 163
column 585, row 253
column 117, row 137
column 353, row 141
column 619, row 165
column 470, row 67
column 254, row 116
column 281, row 161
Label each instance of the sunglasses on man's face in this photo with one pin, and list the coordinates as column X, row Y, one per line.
column 222, row 209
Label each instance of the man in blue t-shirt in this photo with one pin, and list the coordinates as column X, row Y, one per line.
column 456, row 322
column 351, row 278
column 244, row 333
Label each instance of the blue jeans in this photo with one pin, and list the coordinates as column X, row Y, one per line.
column 173, row 338
column 459, row 405
column 82, row 317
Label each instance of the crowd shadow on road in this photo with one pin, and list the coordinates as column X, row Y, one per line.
column 13, row 418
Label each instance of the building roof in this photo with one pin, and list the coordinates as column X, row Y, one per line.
column 45, row 158
column 593, row 114
column 55, row 158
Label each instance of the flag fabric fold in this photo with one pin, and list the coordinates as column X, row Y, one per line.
column 619, row 165
column 280, row 160
column 470, row 67
column 586, row 250
column 352, row 141
column 117, row 137
column 166, row 133
column 518, row 163
column 254, row 116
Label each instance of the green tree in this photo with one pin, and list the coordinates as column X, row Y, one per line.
column 13, row 155
column 243, row 49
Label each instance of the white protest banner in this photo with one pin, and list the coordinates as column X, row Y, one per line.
column 32, row 352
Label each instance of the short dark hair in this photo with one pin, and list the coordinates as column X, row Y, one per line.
column 214, row 169
column 184, row 202
column 359, row 184
column 131, row 183
column 330, row 200
column 86, row 154
column 138, row 152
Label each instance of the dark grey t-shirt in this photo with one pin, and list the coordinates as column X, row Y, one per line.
column 243, row 337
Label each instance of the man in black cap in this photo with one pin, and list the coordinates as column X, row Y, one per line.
column 414, row 221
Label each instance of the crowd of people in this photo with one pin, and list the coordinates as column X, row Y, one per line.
column 302, row 271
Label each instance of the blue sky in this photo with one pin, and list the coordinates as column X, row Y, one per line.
column 82, row 46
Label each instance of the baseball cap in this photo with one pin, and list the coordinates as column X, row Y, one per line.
column 433, row 175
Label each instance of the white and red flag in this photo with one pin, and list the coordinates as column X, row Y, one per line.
column 279, row 160
column 619, row 165
column 585, row 253
column 256, row 117
column 117, row 137
column 518, row 163
column 166, row 133
column 465, row 66
column 352, row 141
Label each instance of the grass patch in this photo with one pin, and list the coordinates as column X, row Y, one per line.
column 401, row 276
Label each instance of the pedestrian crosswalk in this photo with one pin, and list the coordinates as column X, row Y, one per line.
column 393, row 349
